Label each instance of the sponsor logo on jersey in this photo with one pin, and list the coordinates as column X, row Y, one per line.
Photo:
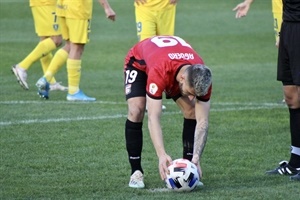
column 128, row 89
column 153, row 88
column 184, row 56
column 62, row 6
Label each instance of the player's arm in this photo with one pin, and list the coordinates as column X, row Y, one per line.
column 277, row 16
column 110, row 13
column 242, row 8
column 201, row 131
column 154, row 107
column 277, row 28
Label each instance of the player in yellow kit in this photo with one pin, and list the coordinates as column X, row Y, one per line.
column 277, row 16
column 277, row 10
column 48, row 30
column 75, row 18
column 154, row 17
column 243, row 8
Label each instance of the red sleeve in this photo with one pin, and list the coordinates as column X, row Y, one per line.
column 155, row 84
column 206, row 97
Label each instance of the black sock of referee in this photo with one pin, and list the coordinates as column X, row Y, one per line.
column 188, row 132
column 134, row 144
column 295, row 137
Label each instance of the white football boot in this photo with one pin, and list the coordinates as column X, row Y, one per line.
column 137, row 180
column 58, row 86
column 21, row 76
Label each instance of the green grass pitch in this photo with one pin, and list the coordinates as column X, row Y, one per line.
column 60, row 150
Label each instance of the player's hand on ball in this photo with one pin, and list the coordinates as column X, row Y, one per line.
column 164, row 161
column 183, row 176
column 199, row 168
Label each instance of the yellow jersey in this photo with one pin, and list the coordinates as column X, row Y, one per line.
column 155, row 4
column 79, row 9
column 42, row 3
column 277, row 16
column 277, row 6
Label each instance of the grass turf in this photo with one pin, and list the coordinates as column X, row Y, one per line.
column 60, row 150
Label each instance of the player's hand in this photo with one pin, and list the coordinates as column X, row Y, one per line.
column 241, row 9
column 164, row 162
column 110, row 14
column 138, row 2
column 173, row 2
column 196, row 162
column 277, row 42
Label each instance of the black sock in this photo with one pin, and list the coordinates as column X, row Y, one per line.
column 295, row 135
column 188, row 138
column 134, row 144
column 294, row 161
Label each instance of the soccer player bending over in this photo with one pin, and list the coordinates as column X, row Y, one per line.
column 157, row 65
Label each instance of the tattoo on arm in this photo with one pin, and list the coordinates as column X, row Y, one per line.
column 201, row 133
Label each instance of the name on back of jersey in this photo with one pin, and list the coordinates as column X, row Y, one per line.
column 183, row 56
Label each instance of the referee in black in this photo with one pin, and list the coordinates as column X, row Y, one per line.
column 288, row 72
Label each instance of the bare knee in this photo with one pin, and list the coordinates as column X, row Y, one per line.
column 189, row 113
column 67, row 46
column 57, row 39
column 76, row 50
column 292, row 96
column 136, row 109
column 136, row 114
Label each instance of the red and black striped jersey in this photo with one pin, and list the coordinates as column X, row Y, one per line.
column 161, row 57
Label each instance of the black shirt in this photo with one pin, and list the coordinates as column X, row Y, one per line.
column 291, row 10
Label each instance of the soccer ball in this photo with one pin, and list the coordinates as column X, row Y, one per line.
column 183, row 176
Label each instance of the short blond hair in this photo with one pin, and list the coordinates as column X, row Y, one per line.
column 199, row 78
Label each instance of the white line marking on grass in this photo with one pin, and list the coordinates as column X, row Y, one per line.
column 245, row 106
column 59, row 102
column 124, row 102
column 159, row 190
column 32, row 121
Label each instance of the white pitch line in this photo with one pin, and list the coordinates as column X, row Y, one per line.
column 247, row 104
column 32, row 121
column 244, row 108
column 51, row 120
column 124, row 102
column 58, row 102
column 160, row 190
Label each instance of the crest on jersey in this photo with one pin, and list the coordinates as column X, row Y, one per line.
column 55, row 27
column 153, row 88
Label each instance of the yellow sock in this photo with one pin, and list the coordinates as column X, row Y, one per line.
column 43, row 48
column 45, row 61
column 57, row 62
column 74, row 73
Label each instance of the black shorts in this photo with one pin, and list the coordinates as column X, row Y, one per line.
column 288, row 65
column 135, row 82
